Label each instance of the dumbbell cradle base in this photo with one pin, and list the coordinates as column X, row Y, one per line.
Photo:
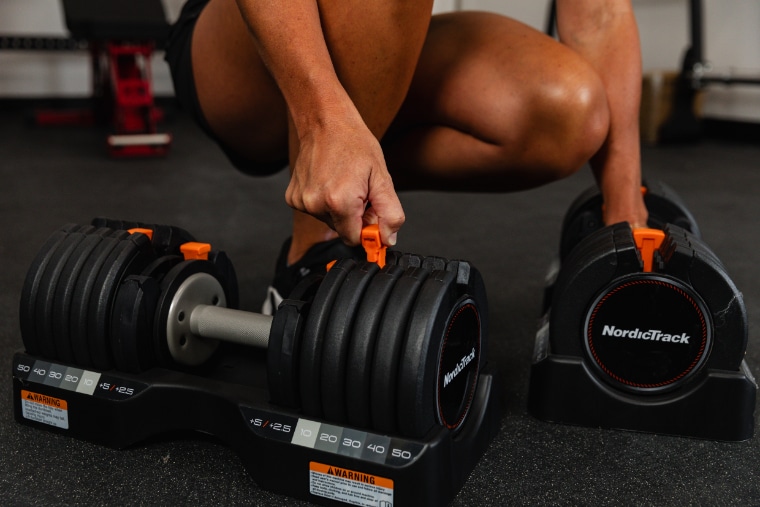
column 231, row 402
column 718, row 407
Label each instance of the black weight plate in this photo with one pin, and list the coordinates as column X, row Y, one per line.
column 306, row 288
column 43, row 314
column 392, row 257
column 725, row 304
column 283, row 352
column 169, row 286
column 434, row 263
column 159, row 267
column 337, row 339
column 117, row 225
column 311, row 344
column 409, row 261
column 65, row 290
column 227, row 277
column 581, row 280
column 682, row 236
column 594, row 267
column 584, row 223
column 667, row 207
column 96, row 338
column 440, row 361
column 80, row 299
column 597, row 244
column 31, row 286
column 361, row 349
column 132, row 323
column 130, row 256
column 388, row 346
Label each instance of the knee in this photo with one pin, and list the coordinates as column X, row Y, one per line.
column 582, row 119
column 590, row 117
column 570, row 122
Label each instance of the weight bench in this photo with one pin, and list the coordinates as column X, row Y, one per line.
column 121, row 37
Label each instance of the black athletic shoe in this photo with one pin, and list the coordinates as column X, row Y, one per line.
column 313, row 262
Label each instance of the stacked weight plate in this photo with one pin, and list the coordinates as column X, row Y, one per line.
column 659, row 350
column 396, row 349
column 90, row 294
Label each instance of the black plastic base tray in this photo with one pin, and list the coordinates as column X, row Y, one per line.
column 327, row 464
column 717, row 406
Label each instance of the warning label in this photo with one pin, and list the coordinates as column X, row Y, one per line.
column 45, row 409
column 349, row 486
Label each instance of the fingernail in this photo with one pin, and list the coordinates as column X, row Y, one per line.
column 392, row 239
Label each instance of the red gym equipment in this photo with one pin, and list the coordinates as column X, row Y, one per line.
column 121, row 38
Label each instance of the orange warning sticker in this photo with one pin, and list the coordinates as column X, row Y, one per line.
column 349, row 486
column 45, row 409
column 45, row 400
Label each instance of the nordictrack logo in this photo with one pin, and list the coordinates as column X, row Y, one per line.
column 461, row 365
column 654, row 335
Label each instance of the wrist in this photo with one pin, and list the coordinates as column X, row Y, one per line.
column 320, row 103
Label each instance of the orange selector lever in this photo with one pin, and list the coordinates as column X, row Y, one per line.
column 375, row 249
column 648, row 241
column 373, row 246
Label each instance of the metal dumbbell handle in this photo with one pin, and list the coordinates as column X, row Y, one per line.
column 237, row 326
column 198, row 319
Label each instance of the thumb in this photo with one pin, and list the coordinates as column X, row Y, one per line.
column 386, row 211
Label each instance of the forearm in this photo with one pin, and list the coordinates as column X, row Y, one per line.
column 604, row 32
column 291, row 43
column 337, row 164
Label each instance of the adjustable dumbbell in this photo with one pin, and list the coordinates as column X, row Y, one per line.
column 652, row 317
column 397, row 349
column 644, row 330
column 584, row 215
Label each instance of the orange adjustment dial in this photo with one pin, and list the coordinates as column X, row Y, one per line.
column 195, row 251
column 147, row 232
column 372, row 245
column 647, row 241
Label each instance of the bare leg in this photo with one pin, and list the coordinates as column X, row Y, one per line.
column 495, row 106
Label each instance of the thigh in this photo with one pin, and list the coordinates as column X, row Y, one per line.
column 475, row 64
column 501, row 83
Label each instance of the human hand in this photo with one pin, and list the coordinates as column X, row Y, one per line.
column 340, row 177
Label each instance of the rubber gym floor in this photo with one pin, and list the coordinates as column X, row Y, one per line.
column 54, row 176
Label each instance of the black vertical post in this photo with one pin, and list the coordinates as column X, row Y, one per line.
column 695, row 8
column 551, row 19
column 682, row 125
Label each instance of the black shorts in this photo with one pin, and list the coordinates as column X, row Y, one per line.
column 179, row 58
